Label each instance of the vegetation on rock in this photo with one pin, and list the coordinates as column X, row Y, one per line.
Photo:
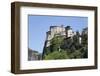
column 67, row 48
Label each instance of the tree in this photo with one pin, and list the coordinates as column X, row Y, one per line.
column 76, row 54
column 84, row 39
column 66, row 43
column 56, row 43
column 85, row 36
column 57, row 55
column 84, row 51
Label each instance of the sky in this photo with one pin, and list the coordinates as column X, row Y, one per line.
column 38, row 25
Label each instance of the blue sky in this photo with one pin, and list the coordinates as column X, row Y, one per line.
column 38, row 25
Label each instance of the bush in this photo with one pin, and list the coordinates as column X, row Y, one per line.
column 57, row 55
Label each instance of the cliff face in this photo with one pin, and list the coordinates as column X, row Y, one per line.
column 63, row 39
column 33, row 55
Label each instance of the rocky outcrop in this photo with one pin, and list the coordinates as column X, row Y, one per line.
column 58, row 31
column 64, row 38
column 33, row 55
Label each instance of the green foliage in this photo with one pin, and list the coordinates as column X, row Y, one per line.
column 56, row 43
column 76, row 54
column 47, row 50
column 57, row 55
column 84, row 51
column 57, row 40
column 84, row 39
